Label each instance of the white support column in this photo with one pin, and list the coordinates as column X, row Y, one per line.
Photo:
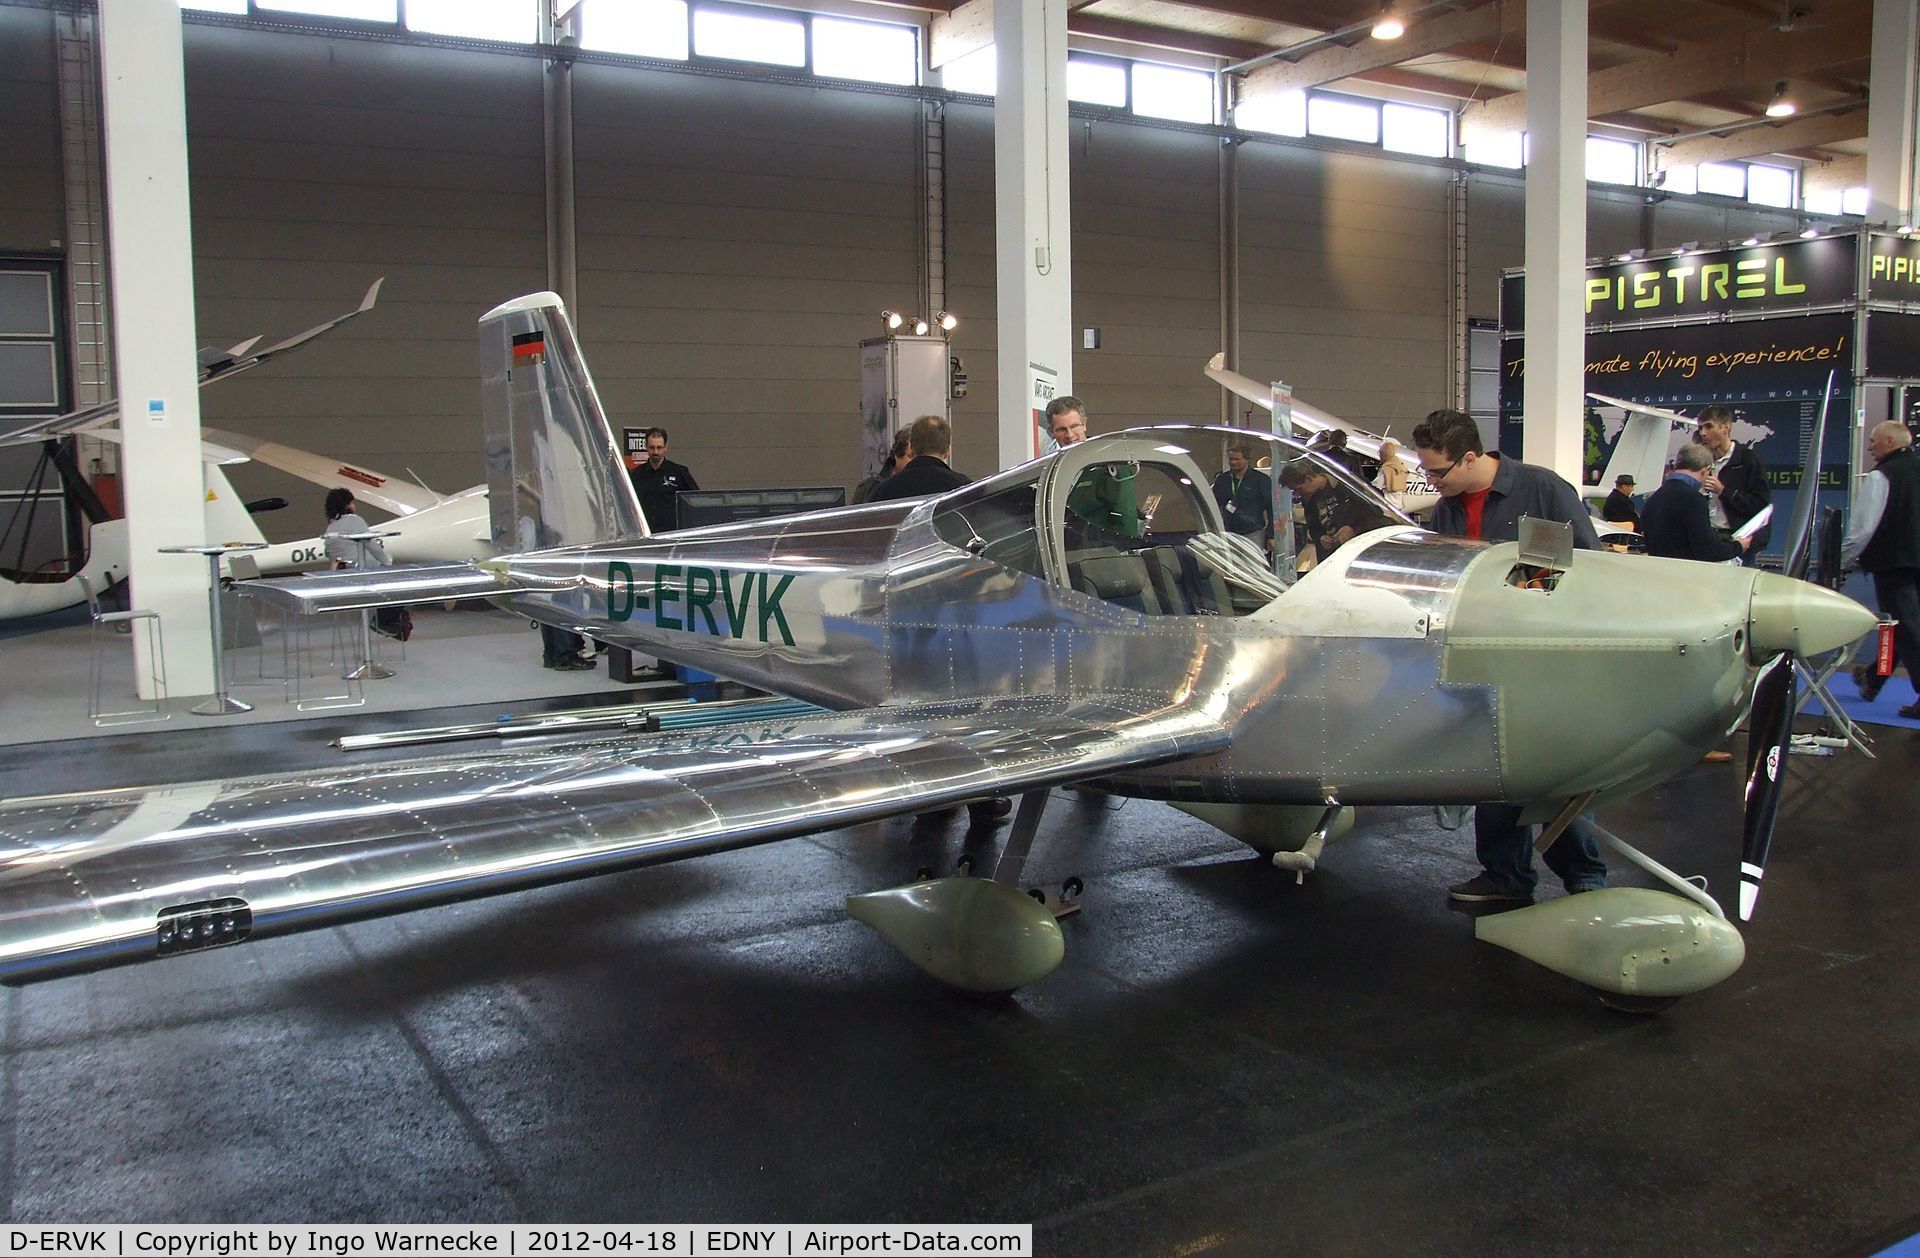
column 1556, row 234
column 1890, row 112
column 1033, row 229
column 145, row 121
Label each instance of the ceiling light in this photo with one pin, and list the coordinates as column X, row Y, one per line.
column 1809, row 232
column 892, row 318
column 919, row 326
column 946, row 321
column 1905, row 229
column 1780, row 106
column 1625, row 257
column 1750, row 242
column 1388, row 25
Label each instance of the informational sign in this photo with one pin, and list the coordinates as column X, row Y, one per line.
column 1043, row 385
column 1772, row 373
column 1282, row 407
column 901, row 379
column 634, row 441
column 876, row 411
column 1893, row 269
column 1280, row 420
column 1733, row 282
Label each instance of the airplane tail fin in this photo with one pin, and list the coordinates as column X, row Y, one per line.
column 227, row 518
column 555, row 476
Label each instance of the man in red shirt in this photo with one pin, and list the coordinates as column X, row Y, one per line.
column 1484, row 496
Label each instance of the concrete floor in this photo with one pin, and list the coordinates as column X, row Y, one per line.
column 1226, row 1063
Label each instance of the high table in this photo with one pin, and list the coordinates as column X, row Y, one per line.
column 367, row 670
column 222, row 703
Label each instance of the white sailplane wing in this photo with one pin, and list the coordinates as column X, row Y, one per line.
column 215, row 364
column 94, row 880
column 1418, row 497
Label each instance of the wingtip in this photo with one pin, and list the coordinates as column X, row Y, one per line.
column 1218, row 361
column 373, row 294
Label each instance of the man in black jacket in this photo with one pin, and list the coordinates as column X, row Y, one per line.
column 659, row 480
column 1884, row 540
column 929, row 442
column 1737, row 481
column 1619, row 508
column 1676, row 524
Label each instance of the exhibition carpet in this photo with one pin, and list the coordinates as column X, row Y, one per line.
column 1884, row 710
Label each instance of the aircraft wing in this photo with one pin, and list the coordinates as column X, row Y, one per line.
column 402, row 498
column 1641, row 408
column 94, row 880
column 1418, row 496
column 215, row 364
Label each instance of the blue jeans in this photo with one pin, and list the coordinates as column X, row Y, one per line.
column 1505, row 847
column 558, row 644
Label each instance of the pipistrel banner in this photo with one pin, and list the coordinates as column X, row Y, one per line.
column 1734, row 281
column 1893, row 269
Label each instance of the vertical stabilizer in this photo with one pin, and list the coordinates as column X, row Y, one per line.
column 555, row 476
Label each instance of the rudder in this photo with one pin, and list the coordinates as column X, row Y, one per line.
column 555, row 475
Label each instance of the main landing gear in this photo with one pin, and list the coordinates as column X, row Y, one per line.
column 978, row 934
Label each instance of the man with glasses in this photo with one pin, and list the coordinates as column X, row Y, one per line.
column 1484, row 496
column 1736, row 484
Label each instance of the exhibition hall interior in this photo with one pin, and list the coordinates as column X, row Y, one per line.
column 1196, row 627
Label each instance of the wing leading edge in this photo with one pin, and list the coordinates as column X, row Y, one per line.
column 92, row 881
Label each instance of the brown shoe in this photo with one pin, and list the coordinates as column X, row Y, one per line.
column 1716, row 756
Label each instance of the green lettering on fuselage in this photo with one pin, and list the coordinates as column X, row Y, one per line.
column 746, row 599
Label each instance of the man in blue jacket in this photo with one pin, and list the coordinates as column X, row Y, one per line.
column 1677, row 523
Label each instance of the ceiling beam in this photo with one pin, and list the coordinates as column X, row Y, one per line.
column 1148, row 36
column 1609, row 32
column 1756, row 140
column 965, row 28
column 1331, row 63
column 1835, row 176
column 1414, row 81
column 1755, row 57
column 1753, row 8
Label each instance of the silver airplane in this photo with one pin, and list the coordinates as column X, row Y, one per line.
column 1082, row 617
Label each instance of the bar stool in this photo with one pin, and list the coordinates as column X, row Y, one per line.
column 104, row 624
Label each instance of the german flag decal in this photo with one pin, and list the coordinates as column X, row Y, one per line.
column 529, row 347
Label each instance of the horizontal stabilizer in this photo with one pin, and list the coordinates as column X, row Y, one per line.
column 321, row 592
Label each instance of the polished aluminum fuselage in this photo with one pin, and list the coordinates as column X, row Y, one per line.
column 1324, row 702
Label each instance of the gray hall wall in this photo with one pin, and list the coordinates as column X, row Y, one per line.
column 1145, row 216
column 320, row 165
column 1344, row 263
column 31, row 216
column 737, row 239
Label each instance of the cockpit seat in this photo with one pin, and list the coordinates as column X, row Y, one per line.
column 1119, row 577
column 1185, row 586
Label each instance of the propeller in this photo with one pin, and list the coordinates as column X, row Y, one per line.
column 1776, row 691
